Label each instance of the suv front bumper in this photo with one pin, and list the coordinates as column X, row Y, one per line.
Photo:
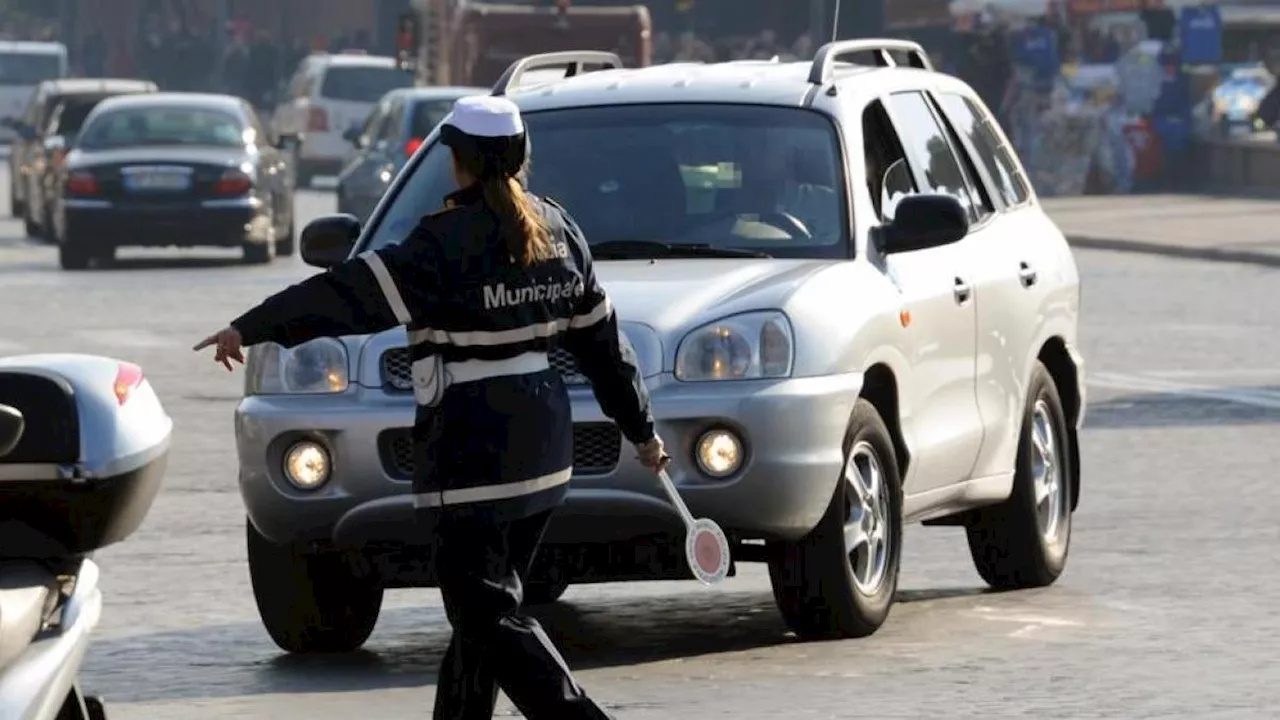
column 792, row 431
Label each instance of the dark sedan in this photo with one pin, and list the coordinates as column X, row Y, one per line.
column 173, row 170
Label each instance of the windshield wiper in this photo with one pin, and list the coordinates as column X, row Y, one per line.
column 650, row 249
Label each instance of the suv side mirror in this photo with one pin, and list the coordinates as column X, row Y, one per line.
column 923, row 221
column 328, row 240
column 12, row 426
column 352, row 135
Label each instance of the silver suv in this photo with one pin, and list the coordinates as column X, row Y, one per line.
column 850, row 309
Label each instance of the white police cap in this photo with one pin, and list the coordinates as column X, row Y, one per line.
column 486, row 116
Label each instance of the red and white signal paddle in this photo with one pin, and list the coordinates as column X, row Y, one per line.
column 706, row 548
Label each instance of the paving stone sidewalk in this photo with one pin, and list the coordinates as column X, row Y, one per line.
column 1193, row 226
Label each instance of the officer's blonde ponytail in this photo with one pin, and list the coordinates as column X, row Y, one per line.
column 521, row 224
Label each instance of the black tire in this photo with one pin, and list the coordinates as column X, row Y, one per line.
column 73, row 257
column 258, row 253
column 1012, row 545
column 311, row 601
column 286, row 246
column 814, row 579
column 47, row 224
column 95, row 708
column 74, row 706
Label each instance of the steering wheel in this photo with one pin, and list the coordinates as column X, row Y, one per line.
column 781, row 220
column 787, row 221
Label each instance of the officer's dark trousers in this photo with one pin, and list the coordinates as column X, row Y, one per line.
column 481, row 565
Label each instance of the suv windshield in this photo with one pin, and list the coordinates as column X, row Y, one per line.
column 162, row 126
column 366, row 84
column 29, row 69
column 749, row 177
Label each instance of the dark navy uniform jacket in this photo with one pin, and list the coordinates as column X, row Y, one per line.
column 493, row 431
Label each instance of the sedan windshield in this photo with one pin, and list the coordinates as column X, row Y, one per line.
column 135, row 127
column 755, row 178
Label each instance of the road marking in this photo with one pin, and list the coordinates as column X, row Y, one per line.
column 1025, row 631
column 123, row 337
column 1224, row 373
column 1244, row 396
column 992, row 614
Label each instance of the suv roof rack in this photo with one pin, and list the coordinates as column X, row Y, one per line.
column 824, row 61
column 575, row 62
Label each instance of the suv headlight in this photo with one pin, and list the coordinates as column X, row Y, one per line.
column 741, row 347
column 312, row 368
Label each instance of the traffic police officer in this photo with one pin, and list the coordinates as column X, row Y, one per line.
column 486, row 287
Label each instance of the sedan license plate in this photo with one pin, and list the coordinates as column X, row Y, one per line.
column 155, row 181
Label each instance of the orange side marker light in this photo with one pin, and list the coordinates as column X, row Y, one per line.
column 904, row 317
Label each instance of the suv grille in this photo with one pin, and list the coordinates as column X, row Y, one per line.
column 596, row 449
column 396, row 375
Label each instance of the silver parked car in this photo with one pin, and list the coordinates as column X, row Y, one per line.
column 851, row 311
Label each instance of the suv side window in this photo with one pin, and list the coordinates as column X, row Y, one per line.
column 395, row 120
column 888, row 171
column 55, row 119
column 929, row 151
column 373, row 125
column 994, row 153
column 35, row 107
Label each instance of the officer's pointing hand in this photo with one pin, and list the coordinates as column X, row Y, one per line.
column 653, row 455
column 227, row 347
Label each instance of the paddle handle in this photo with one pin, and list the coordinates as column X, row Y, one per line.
column 676, row 500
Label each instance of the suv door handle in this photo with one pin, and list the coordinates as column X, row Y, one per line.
column 1027, row 275
column 962, row 292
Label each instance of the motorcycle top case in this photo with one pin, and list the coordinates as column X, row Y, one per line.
column 91, row 457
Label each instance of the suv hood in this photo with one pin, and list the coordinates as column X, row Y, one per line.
column 657, row 302
column 671, row 296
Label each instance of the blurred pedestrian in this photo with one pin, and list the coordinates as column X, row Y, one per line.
column 264, row 70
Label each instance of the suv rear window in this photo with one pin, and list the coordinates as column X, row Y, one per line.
column 363, row 84
column 732, row 176
column 993, row 152
column 29, row 69
column 427, row 114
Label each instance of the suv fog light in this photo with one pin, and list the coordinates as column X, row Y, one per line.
column 719, row 453
column 306, row 465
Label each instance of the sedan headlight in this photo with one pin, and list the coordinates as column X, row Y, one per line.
column 742, row 347
column 315, row 367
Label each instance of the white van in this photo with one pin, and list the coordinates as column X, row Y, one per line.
column 328, row 96
column 23, row 66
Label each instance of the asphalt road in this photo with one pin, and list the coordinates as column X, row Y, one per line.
column 1166, row 609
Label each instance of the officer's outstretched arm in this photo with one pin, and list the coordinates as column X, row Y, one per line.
column 360, row 296
column 609, row 362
